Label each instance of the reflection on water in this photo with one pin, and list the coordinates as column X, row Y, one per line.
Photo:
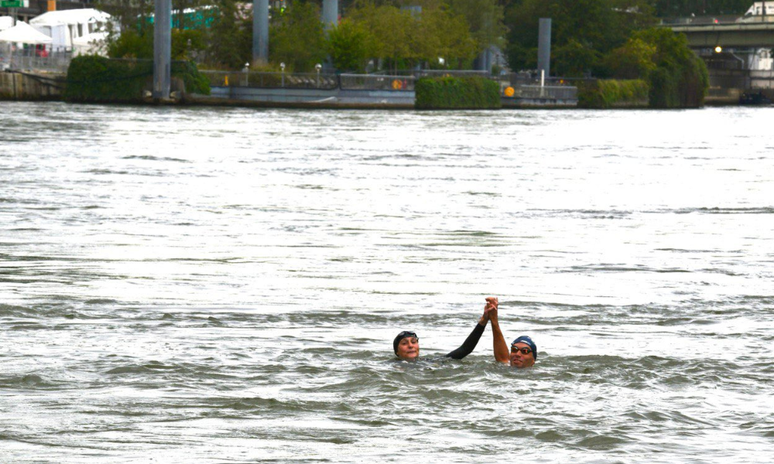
column 212, row 285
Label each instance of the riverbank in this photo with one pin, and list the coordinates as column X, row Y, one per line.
column 312, row 92
column 28, row 86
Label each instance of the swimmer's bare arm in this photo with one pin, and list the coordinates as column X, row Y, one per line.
column 499, row 347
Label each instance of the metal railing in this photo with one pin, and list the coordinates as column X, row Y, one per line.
column 34, row 60
column 377, row 82
column 703, row 20
column 308, row 81
column 523, row 86
column 546, row 92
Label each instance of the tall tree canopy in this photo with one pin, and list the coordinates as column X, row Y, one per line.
column 583, row 31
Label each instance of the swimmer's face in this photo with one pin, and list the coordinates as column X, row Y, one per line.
column 522, row 355
column 408, row 348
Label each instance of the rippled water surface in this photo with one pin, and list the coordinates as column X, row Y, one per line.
column 223, row 285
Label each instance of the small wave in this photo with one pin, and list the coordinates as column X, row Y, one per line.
column 27, row 381
column 154, row 158
column 16, row 311
column 152, row 367
column 754, row 210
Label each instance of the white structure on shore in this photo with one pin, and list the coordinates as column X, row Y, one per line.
column 82, row 30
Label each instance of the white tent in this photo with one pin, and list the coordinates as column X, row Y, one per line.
column 6, row 22
column 66, row 26
column 80, row 16
column 24, row 33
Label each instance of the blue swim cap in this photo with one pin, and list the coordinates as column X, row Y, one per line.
column 525, row 339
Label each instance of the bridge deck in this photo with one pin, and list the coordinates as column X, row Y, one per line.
column 757, row 35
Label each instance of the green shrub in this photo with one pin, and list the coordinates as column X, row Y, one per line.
column 92, row 78
column 613, row 93
column 195, row 82
column 457, row 93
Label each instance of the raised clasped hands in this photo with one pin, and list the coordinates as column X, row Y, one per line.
column 490, row 310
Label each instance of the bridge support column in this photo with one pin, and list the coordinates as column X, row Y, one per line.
column 544, row 46
column 162, row 49
column 261, row 31
column 330, row 13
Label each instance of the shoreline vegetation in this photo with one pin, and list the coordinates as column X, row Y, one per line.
column 618, row 56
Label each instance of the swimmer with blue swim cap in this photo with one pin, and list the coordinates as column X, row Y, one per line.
column 523, row 352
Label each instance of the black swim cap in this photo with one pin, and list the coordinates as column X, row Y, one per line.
column 400, row 337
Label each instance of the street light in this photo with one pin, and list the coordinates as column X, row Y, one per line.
column 318, row 67
column 718, row 49
column 282, row 69
column 247, row 68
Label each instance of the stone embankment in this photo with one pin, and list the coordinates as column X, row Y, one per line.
column 26, row 86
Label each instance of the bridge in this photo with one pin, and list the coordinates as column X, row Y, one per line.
column 730, row 46
column 748, row 32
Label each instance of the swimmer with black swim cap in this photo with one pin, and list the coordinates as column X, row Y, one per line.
column 523, row 352
column 406, row 344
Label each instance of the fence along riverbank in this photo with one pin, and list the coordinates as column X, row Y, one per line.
column 365, row 90
column 242, row 88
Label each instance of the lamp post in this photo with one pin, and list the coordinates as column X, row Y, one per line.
column 247, row 76
column 282, row 70
column 318, row 67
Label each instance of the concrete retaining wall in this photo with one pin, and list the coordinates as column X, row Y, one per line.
column 17, row 86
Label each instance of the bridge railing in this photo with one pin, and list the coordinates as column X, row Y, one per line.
column 701, row 20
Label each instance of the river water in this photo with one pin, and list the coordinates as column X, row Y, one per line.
column 223, row 285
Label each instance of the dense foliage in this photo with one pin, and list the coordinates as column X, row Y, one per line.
column 611, row 93
column 680, row 78
column 457, row 93
column 583, row 32
column 93, row 78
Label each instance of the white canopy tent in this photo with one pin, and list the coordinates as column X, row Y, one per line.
column 24, row 33
column 6, row 22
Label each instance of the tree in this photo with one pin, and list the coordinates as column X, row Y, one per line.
column 406, row 38
column 597, row 25
column 448, row 36
column 230, row 37
column 485, row 19
column 574, row 59
column 349, row 46
column 633, row 60
column 297, row 38
column 680, row 78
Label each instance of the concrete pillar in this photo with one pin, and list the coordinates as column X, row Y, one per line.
column 330, row 13
column 162, row 49
column 544, row 46
column 261, row 31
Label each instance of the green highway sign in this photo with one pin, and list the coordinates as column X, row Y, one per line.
column 12, row 3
